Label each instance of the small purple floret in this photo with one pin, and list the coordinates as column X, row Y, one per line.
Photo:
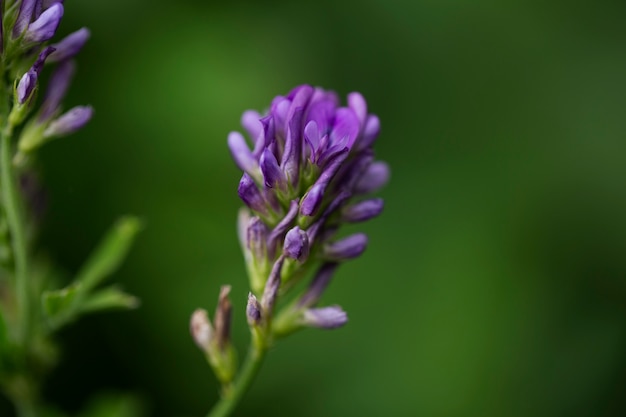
column 69, row 122
column 25, row 87
column 297, row 244
column 70, row 45
column 363, row 210
column 346, row 248
column 325, row 317
column 45, row 26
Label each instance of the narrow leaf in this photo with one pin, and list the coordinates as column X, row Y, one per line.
column 59, row 303
column 109, row 254
column 108, row 299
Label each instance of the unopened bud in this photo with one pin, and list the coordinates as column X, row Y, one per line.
column 201, row 329
column 297, row 244
column 222, row 318
column 325, row 317
column 253, row 311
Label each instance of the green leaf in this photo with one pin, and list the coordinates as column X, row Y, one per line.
column 109, row 254
column 114, row 405
column 108, row 299
column 59, row 305
column 59, row 302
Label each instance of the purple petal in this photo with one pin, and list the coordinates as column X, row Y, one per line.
column 373, row 179
column 45, row 26
column 293, row 148
column 279, row 110
column 312, row 138
column 38, row 8
column 251, row 121
column 322, row 113
column 296, row 244
column 345, row 128
column 326, row 317
column 251, row 196
column 271, row 287
column 70, row 45
column 253, row 311
column 318, row 285
column 358, row 105
column 69, row 122
column 363, row 210
column 57, row 88
column 369, row 134
column 241, row 153
column 273, row 175
column 266, row 137
column 48, row 3
column 24, row 17
column 346, row 248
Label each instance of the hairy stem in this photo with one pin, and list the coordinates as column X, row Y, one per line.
column 12, row 202
column 249, row 370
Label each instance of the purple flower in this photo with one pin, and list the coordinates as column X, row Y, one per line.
column 304, row 163
column 45, row 26
column 69, row 122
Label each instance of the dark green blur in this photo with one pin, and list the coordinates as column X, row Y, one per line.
column 495, row 280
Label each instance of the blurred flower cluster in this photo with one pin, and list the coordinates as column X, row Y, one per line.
column 33, row 303
column 307, row 169
column 29, row 25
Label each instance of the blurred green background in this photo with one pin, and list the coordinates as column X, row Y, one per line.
column 495, row 281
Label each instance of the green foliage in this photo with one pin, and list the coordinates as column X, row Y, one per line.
column 82, row 296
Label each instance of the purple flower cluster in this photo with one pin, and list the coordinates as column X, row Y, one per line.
column 30, row 25
column 307, row 169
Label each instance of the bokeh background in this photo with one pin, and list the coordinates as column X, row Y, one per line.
column 495, row 281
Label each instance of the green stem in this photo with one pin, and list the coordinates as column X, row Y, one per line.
column 250, row 368
column 12, row 202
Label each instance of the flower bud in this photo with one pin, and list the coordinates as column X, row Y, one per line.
column 253, row 311
column 363, row 210
column 70, row 45
column 325, row 317
column 374, row 178
column 45, row 26
column 297, row 244
column 201, row 329
column 346, row 248
column 69, row 122
column 223, row 318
